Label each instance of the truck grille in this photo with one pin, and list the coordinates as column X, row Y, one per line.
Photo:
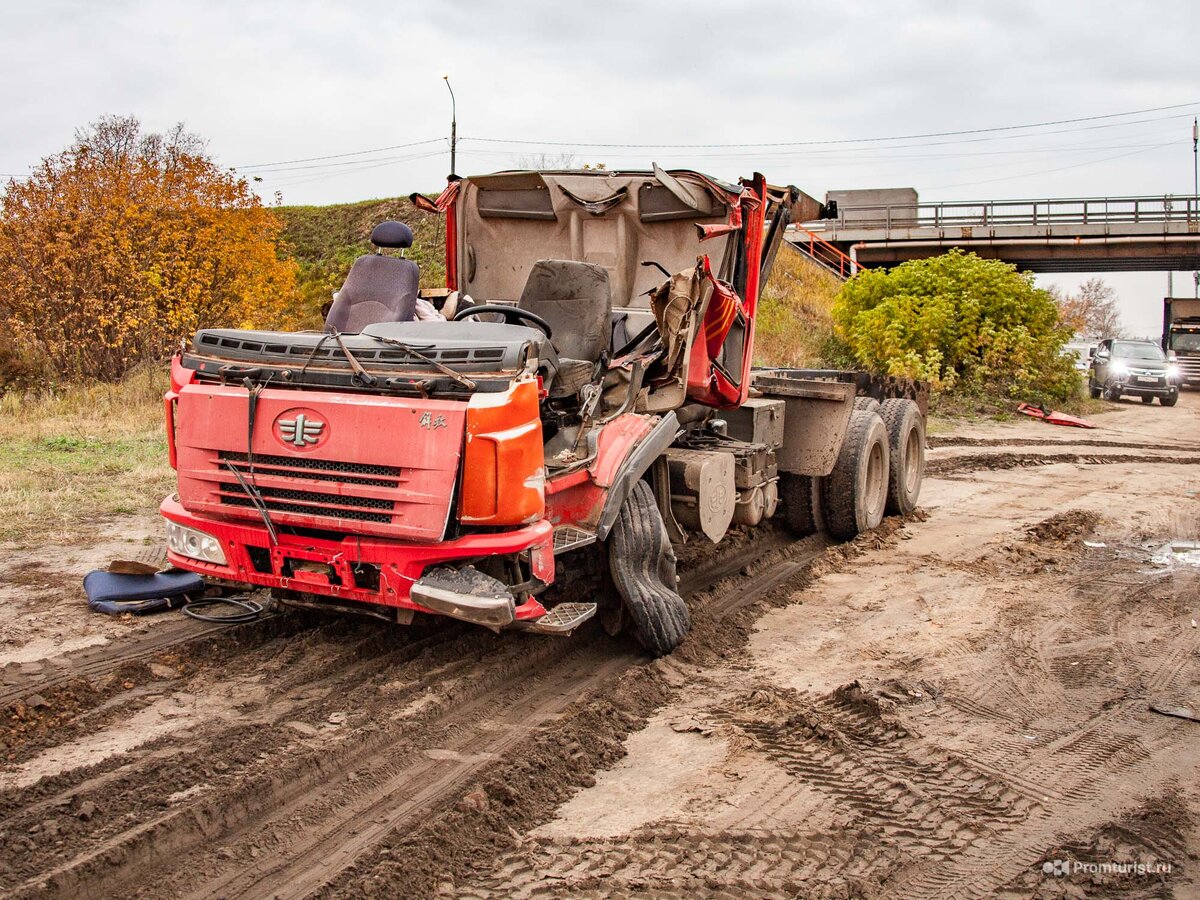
column 322, row 469
column 312, row 503
column 320, row 473
column 1189, row 365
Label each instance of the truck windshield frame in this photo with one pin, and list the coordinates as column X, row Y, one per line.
column 1188, row 341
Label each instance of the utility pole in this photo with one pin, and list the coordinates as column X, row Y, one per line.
column 453, row 123
column 1195, row 205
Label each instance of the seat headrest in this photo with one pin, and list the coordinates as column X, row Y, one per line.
column 393, row 235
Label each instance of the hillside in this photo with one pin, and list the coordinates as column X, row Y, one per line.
column 795, row 324
column 325, row 240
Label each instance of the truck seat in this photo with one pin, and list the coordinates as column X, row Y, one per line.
column 378, row 288
column 576, row 300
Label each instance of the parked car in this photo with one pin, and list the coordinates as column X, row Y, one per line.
column 1136, row 368
column 1080, row 354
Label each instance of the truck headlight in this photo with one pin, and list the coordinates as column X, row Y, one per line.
column 194, row 544
column 1119, row 368
column 1173, row 372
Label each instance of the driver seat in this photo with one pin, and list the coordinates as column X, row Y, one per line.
column 575, row 299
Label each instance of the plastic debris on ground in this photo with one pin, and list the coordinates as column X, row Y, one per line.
column 1053, row 416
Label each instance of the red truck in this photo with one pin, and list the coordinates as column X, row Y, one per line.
column 589, row 403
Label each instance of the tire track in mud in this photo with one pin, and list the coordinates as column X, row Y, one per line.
column 679, row 862
column 125, row 786
column 931, row 821
column 249, row 791
column 484, row 673
column 92, row 662
column 949, row 440
column 940, row 468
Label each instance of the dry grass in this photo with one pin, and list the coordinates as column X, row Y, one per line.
column 794, row 326
column 75, row 457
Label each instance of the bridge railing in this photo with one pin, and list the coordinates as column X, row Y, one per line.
column 1062, row 211
column 822, row 251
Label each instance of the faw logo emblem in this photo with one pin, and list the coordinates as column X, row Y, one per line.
column 300, row 428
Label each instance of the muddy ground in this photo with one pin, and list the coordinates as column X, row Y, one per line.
column 948, row 707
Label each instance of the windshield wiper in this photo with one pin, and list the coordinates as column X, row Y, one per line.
column 417, row 354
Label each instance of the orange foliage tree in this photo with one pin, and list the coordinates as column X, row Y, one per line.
column 114, row 250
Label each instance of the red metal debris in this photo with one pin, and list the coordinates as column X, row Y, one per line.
column 1054, row 417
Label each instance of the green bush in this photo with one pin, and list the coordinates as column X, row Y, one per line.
column 965, row 324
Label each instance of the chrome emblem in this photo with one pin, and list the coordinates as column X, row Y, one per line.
column 301, row 431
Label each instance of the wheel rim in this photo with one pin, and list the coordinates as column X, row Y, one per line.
column 876, row 481
column 912, row 461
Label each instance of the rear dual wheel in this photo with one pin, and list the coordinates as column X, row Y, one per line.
column 855, row 493
column 801, row 496
column 906, row 445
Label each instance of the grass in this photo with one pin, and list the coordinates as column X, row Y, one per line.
column 946, row 411
column 73, row 458
column 794, row 325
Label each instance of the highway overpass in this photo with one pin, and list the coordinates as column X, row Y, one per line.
column 1087, row 234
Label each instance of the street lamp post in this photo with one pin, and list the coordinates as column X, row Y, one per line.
column 453, row 123
column 1195, row 189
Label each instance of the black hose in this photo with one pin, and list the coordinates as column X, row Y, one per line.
column 250, row 610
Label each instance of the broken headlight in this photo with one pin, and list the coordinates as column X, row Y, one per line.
column 194, row 544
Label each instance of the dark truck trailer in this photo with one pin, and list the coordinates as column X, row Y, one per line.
column 1181, row 336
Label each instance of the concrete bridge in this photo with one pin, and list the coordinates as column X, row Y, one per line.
column 1087, row 234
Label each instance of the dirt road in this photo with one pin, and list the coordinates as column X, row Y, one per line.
column 940, row 709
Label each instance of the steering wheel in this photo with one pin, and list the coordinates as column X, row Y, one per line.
column 511, row 314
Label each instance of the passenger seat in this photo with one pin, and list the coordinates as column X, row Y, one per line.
column 378, row 288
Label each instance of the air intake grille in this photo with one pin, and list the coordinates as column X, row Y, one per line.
column 313, row 503
column 313, row 469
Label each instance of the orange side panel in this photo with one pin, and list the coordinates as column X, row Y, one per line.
column 504, row 474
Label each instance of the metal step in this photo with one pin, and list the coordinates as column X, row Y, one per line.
column 568, row 537
column 562, row 619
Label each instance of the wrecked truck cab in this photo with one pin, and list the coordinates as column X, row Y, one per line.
column 461, row 468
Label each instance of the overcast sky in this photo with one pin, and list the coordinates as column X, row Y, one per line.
column 266, row 83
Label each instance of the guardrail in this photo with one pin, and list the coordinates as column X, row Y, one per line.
column 1063, row 211
column 821, row 250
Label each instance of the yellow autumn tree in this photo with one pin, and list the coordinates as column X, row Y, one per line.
column 114, row 250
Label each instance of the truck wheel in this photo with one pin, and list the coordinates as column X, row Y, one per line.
column 1112, row 394
column 801, row 495
column 1169, row 400
column 642, row 563
column 869, row 404
column 906, row 452
column 855, row 493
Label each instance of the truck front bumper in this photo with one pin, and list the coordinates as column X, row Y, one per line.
column 367, row 569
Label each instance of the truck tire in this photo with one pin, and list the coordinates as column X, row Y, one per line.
column 642, row 563
column 855, row 492
column 906, row 451
column 1112, row 393
column 869, row 404
column 801, row 496
column 1170, row 400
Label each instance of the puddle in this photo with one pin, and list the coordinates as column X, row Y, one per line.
column 1176, row 553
